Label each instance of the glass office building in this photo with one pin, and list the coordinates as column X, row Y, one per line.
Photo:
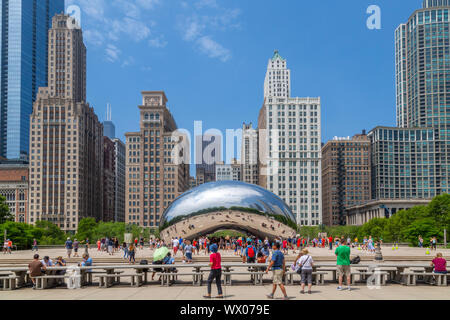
column 422, row 50
column 24, row 28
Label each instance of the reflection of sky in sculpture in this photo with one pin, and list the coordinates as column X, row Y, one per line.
column 227, row 194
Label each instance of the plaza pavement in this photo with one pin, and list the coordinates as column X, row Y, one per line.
column 238, row 292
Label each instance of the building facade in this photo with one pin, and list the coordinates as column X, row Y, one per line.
column 228, row 172
column 153, row 177
column 24, row 47
column 289, row 131
column 109, row 180
column 422, row 50
column 209, row 154
column 278, row 78
column 345, row 176
column 249, row 154
column 66, row 141
column 14, row 187
column 119, row 193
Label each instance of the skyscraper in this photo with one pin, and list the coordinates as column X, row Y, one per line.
column 278, row 78
column 66, row 142
column 345, row 176
column 289, row 140
column 422, row 60
column 249, row 154
column 153, row 178
column 119, row 194
column 24, row 47
column 109, row 129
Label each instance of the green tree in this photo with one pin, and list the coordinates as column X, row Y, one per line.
column 21, row 234
column 425, row 227
column 86, row 229
column 5, row 214
column 51, row 233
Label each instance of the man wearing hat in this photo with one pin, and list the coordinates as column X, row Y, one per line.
column 69, row 247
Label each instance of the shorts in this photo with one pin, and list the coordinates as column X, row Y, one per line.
column 189, row 255
column 277, row 276
column 251, row 260
column 69, row 251
column 343, row 271
column 76, row 250
column 306, row 276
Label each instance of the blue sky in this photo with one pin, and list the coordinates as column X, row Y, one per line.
column 210, row 57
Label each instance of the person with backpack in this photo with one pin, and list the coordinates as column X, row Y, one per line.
column 306, row 264
column 278, row 267
column 250, row 253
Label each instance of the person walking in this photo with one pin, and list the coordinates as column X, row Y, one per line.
column 250, row 253
column 69, row 246
column 35, row 246
column 76, row 245
column 306, row 262
column 131, row 253
column 343, row 264
column 278, row 267
column 215, row 262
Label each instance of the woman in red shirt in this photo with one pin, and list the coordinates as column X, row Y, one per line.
column 215, row 262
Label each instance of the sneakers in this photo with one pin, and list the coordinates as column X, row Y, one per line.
column 349, row 288
column 286, row 298
column 302, row 292
column 309, row 292
column 270, row 296
column 339, row 288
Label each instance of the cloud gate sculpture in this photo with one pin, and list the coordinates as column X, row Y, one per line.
column 227, row 205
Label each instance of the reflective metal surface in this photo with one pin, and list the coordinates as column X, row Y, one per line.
column 227, row 205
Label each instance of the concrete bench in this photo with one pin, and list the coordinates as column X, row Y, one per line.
column 8, row 282
column 135, row 279
column 410, row 277
column 318, row 277
column 255, row 276
column 42, row 282
column 380, row 276
column 167, row 277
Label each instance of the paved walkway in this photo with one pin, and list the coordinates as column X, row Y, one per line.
column 240, row 292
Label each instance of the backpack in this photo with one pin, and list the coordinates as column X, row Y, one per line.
column 251, row 252
column 355, row 260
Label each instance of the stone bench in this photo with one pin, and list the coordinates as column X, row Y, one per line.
column 42, row 282
column 255, row 276
column 411, row 277
column 8, row 282
column 318, row 277
column 135, row 279
column 167, row 277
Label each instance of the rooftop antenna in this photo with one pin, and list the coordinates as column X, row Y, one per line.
column 108, row 112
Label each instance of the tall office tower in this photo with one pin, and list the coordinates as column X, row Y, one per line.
column 66, row 141
column 289, row 131
column 154, row 176
column 422, row 48
column 210, row 154
column 345, row 176
column 24, row 29
column 109, row 129
column 119, row 194
column 249, row 154
column 109, row 180
column 278, row 78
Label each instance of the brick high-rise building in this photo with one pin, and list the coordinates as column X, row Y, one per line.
column 119, row 186
column 345, row 176
column 66, row 141
column 153, row 178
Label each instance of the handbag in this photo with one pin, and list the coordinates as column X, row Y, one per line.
column 299, row 270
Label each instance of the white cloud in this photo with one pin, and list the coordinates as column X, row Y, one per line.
column 213, row 49
column 94, row 37
column 112, row 53
column 191, row 28
column 134, row 29
column 93, row 8
column 158, row 42
column 128, row 62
